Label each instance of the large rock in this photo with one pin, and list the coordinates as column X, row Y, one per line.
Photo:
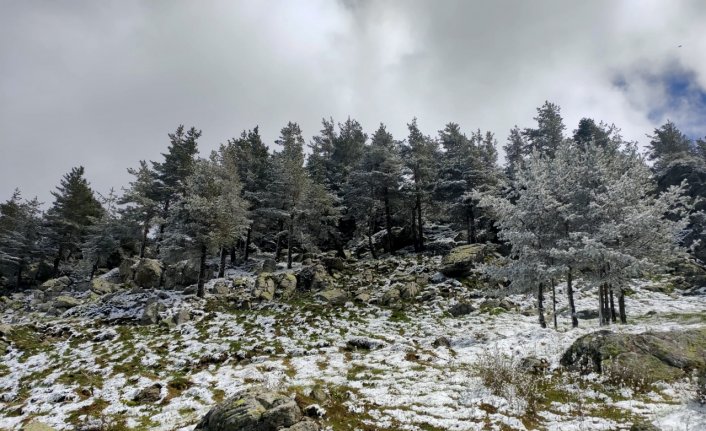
column 56, row 284
column 37, row 426
column 181, row 274
column 333, row 296
column 151, row 312
column 255, row 409
column 650, row 356
column 144, row 272
column 461, row 260
column 101, row 286
column 286, row 285
column 64, row 302
column 265, row 286
column 314, row 278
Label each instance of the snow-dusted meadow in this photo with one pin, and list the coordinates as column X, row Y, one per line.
column 85, row 375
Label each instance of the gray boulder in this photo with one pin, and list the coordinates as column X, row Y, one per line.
column 314, row 278
column 333, row 296
column 56, row 284
column 65, row 302
column 181, row 274
column 461, row 260
column 255, row 409
column 650, row 356
column 144, row 272
column 265, row 286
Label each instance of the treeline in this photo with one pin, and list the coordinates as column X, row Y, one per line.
column 565, row 205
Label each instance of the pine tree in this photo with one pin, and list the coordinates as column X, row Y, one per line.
column 667, row 145
column 141, row 198
column 103, row 238
column 75, row 208
column 419, row 154
column 254, row 166
column 178, row 164
column 288, row 186
column 210, row 216
column 372, row 186
column 20, row 235
column 549, row 133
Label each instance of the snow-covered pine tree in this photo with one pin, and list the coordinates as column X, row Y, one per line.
column 141, row 200
column 419, row 154
column 210, row 216
column 20, row 235
column 74, row 209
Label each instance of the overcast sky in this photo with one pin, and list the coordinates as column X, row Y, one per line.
column 101, row 83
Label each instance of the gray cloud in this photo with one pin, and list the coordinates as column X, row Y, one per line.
column 102, row 83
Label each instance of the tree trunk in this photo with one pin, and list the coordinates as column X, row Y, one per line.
column 19, row 274
column 143, row 244
column 556, row 326
column 222, row 264
column 201, row 291
column 370, row 240
column 162, row 226
column 94, row 267
column 613, row 316
column 540, row 305
column 606, row 304
column 472, row 223
column 246, row 254
column 57, row 260
column 414, row 230
column 420, row 223
column 337, row 245
column 388, row 222
column 601, row 306
column 621, row 306
column 232, row 255
column 570, row 294
column 468, row 227
column 278, row 248
column 289, row 241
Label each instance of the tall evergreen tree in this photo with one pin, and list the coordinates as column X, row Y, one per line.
column 211, row 215
column 514, row 152
column 289, row 184
column 141, row 198
column 20, row 235
column 549, row 133
column 75, row 208
column 178, row 164
column 419, row 154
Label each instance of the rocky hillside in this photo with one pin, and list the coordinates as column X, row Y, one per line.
column 408, row 342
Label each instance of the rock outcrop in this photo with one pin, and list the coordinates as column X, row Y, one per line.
column 256, row 409
column 650, row 355
column 145, row 272
column 461, row 260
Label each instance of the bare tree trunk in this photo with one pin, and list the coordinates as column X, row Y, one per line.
column 540, row 305
column 556, row 326
column 420, row 223
column 414, row 230
column 19, row 274
column 248, row 237
column 570, row 294
column 57, row 260
column 606, row 304
column 143, row 244
column 613, row 316
column 388, row 222
column 370, row 240
column 601, row 307
column 289, row 241
column 94, row 267
column 472, row 216
column 232, row 255
column 278, row 249
column 621, row 306
column 222, row 264
column 162, row 226
column 201, row 291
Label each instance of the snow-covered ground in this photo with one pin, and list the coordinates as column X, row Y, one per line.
column 72, row 379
